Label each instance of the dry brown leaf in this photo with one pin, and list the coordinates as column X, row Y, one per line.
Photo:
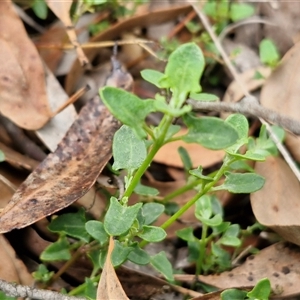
column 109, row 285
column 23, row 96
column 68, row 173
column 143, row 20
column 200, row 156
column 279, row 263
column 281, row 92
column 12, row 268
column 277, row 204
column 62, row 10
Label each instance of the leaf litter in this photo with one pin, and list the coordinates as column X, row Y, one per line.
column 80, row 157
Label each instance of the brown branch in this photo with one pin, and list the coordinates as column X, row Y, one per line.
column 17, row 290
column 250, row 107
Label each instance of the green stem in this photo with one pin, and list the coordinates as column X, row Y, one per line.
column 199, row 264
column 164, row 125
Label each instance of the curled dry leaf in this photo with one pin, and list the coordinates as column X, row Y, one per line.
column 279, row 263
column 277, row 204
column 109, row 285
column 281, row 92
column 68, row 173
column 23, row 96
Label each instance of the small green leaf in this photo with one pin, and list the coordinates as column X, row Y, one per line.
column 240, row 124
column 118, row 218
column 119, row 254
column 139, row 256
column 40, row 8
column 42, row 274
column 97, row 231
column 210, row 132
column 240, row 11
column 204, row 97
column 186, row 234
column 152, row 234
column 3, row 296
column 128, row 108
column 2, row 156
column 241, row 165
column 151, row 211
column 230, row 241
column 172, row 130
column 94, row 257
column 233, row 294
column 72, row 224
column 184, row 70
column 90, row 290
column 57, row 251
column 161, row 263
column 261, row 291
column 152, row 76
column 185, row 158
column 141, row 189
column 129, row 151
column 268, row 53
column 174, row 112
column 212, row 222
column 241, row 183
column 203, row 207
column 198, row 173
column 171, row 208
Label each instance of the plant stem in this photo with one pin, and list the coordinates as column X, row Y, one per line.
column 164, row 125
column 199, row 264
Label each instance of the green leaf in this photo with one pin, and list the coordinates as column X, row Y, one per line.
column 90, row 290
column 171, row 208
column 198, row 173
column 97, row 231
column 185, row 158
column 210, row 132
column 119, row 254
column 152, row 234
column 139, row 256
column 212, row 222
column 173, row 111
column 94, row 257
column 238, row 183
column 144, row 190
column 203, row 207
column 240, row 11
column 186, row 234
column 151, row 211
column 3, row 296
column 152, row 76
column 184, row 70
column 233, row 294
column 72, row 224
column 240, row 124
column 268, row 53
column 128, row 108
column 57, row 251
column 42, row 274
column 2, row 156
column 40, row 8
column 230, row 241
column 204, row 97
column 118, row 218
column 241, row 165
column 161, row 263
column 261, row 291
column 129, row 151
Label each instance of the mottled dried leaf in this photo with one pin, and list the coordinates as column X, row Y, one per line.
column 109, row 285
column 68, row 173
column 279, row 263
column 277, row 204
column 23, row 96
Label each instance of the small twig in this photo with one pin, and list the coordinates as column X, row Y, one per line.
column 249, row 107
column 17, row 290
column 244, row 89
column 8, row 183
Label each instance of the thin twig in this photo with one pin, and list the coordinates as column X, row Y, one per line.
column 243, row 87
column 249, row 107
column 17, row 290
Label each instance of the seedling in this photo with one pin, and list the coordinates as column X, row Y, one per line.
column 134, row 147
